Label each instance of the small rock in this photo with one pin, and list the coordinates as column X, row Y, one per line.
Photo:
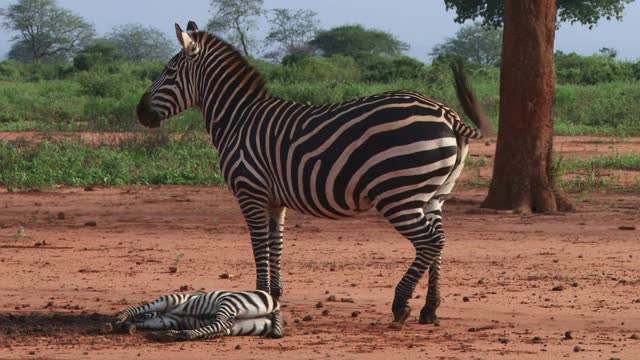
column 226, row 276
column 465, row 299
column 325, row 312
column 307, row 318
column 185, row 288
column 61, row 216
column 90, row 223
column 536, row 340
column 355, row 314
column 173, row 269
column 238, row 347
column 577, row 349
column 634, row 337
column 332, row 298
column 567, row 335
column 319, row 305
column 89, row 188
column 347, row 300
column 503, row 340
column 626, row 228
column 558, row 288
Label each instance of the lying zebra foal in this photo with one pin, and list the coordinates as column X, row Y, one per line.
column 205, row 315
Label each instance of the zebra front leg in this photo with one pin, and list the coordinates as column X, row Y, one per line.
column 276, row 230
column 160, row 305
column 428, row 244
column 256, row 215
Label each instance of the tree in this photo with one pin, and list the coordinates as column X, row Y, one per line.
column 46, row 29
column 357, row 42
column 476, row 43
column 292, row 31
column 236, row 19
column 100, row 52
column 523, row 174
column 138, row 43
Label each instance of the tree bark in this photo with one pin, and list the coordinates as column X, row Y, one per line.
column 523, row 172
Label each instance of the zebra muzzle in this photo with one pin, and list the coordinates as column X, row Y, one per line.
column 146, row 115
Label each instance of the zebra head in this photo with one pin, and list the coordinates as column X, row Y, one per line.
column 174, row 90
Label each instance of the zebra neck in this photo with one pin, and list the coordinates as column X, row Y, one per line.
column 229, row 86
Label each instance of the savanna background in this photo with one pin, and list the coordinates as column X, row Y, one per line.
column 95, row 208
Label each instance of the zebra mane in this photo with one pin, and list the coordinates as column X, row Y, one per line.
column 207, row 39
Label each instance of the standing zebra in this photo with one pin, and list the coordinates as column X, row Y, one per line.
column 400, row 152
column 206, row 315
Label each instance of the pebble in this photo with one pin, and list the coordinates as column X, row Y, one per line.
column 567, row 335
column 307, row 318
column 465, row 299
column 355, row 314
column 577, row 349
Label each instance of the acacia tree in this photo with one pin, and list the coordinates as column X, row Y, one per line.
column 291, row 30
column 357, row 42
column 523, row 174
column 45, row 29
column 137, row 43
column 476, row 43
column 236, row 19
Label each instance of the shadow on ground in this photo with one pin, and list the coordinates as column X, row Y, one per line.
column 52, row 324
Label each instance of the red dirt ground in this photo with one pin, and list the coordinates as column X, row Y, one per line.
column 55, row 295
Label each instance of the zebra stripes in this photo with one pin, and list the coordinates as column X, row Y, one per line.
column 398, row 152
column 207, row 315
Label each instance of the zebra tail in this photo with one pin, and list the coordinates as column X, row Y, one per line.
column 470, row 105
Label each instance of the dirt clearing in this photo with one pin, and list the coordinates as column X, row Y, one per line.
column 512, row 286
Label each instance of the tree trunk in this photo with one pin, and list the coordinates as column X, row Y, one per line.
column 523, row 172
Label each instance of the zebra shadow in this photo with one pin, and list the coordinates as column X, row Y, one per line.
column 52, row 324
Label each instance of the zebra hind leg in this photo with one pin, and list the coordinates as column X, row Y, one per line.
column 428, row 242
column 433, row 212
column 277, row 325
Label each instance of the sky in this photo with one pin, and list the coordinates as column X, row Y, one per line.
column 420, row 23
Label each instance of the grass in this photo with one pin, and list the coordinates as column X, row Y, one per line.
column 589, row 173
column 147, row 159
column 617, row 161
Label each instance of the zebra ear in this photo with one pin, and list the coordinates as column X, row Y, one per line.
column 192, row 26
column 188, row 44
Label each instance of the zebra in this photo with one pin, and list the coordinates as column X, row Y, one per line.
column 206, row 315
column 398, row 152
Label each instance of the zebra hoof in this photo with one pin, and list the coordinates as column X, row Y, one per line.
column 276, row 293
column 401, row 315
column 129, row 328
column 107, row 328
column 163, row 336
column 428, row 316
